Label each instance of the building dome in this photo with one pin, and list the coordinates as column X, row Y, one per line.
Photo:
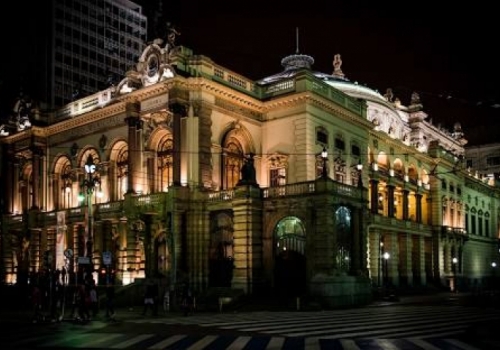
column 296, row 62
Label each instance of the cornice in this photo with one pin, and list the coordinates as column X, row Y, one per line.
column 223, row 92
column 309, row 97
column 87, row 118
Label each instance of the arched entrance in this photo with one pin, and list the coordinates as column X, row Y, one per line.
column 290, row 262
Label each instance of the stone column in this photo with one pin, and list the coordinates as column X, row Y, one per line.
column 192, row 148
column 206, row 165
column 418, row 213
column 405, row 204
column 150, row 262
column 16, row 203
column 405, row 242
column 134, row 125
column 248, row 255
column 390, row 201
column 37, row 154
column 179, row 112
column 374, row 196
column 393, row 261
column 420, row 250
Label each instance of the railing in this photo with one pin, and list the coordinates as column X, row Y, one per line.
column 400, row 224
column 110, row 207
column 221, row 196
column 289, row 190
column 149, row 199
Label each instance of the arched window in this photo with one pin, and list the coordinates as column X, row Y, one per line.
column 122, row 172
column 232, row 162
column 290, row 235
column 66, row 191
column 166, row 164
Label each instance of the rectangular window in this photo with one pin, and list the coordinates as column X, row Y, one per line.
column 492, row 161
column 339, row 144
column 473, row 224
column 480, row 226
column 322, row 137
column 487, row 227
column 355, row 150
column 278, row 177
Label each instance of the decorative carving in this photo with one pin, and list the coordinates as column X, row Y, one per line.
column 277, row 160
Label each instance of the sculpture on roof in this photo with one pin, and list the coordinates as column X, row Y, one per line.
column 337, row 64
column 415, row 102
column 415, row 98
column 22, row 111
column 172, row 34
column 389, row 96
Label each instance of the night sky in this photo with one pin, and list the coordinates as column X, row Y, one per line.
column 447, row 54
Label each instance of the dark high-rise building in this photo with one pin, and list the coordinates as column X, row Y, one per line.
column 80, row 47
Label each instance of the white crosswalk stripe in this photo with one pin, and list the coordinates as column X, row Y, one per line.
column 388, row 328
column 129, row 342
column 387, row 322
column 244, row 342
column 167, row 342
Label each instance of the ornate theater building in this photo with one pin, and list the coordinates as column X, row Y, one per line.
column 302, row 184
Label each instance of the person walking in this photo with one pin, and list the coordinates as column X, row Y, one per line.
column 94, row 301
column 110, row 306
column 83, row 302
column 151, row 298
column 187, row 300
column 36, row 300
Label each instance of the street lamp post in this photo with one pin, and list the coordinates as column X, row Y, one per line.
column 380, row 247
column 359, row 167
column 494, row 282
column 324, row 157
column 454, row 261
column 89, row 184
column 387, row 256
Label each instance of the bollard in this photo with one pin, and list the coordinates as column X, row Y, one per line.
column 298, row 303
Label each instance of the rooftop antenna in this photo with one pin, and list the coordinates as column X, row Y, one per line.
column 297, row 40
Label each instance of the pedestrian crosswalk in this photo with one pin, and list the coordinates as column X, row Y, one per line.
column 226, row 342
column 387, row 322
column 388, row 328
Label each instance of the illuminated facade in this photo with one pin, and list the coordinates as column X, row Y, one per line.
column 302, row 183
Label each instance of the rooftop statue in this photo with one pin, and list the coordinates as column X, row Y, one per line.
column 172, row 34
column 22, row 111
column 337, row 64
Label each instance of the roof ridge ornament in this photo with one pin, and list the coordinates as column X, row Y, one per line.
column 297, row 40
column 297, row 61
